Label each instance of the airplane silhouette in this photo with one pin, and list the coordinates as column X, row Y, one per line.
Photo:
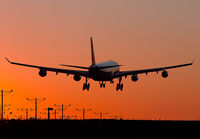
column 102, row 72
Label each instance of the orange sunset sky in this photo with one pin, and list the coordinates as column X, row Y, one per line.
column 136, row 33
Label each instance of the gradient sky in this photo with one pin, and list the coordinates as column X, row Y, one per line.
column 136, row 33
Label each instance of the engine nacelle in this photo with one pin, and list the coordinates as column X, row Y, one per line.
column 43, row 72
column 134, row 78
column 77, row 77
column 164, row 74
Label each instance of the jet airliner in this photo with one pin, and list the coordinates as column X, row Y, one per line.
column 101, row 72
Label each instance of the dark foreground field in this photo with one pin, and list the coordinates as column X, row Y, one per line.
column 100, row 129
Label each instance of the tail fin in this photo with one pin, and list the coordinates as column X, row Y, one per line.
column 92, row 52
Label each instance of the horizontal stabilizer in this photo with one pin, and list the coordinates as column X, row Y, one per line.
column 80, row 67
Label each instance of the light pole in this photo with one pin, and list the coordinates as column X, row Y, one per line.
column 83, row 110
column 101, row 114
column 3, row 93
column 63, row 107
column 36, row 101
column 26, row 110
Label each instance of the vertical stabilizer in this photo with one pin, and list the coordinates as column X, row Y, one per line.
column 92, row 52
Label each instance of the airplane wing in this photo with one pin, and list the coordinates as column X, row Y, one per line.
column 57, row 70
column 135, row 72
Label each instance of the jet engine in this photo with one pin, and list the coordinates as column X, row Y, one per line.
column 164, row 74
column 77, row 77
column 43, row 72
column 134, row 78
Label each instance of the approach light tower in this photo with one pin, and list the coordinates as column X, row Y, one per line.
column 44, row 113
column 36, row 101
column 26, row 110
column 55, row 114
column 48, row 112
column 63, row 107
column 101, row 114
column 83, row 111
column 3, row 93
column 5, row 105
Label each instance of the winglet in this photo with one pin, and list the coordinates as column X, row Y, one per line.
column 7, row 59
column 193, row 60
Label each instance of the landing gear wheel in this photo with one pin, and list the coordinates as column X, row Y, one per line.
column 88, row 87
column 121, row 87
column 102, row 85
column 84, row 86
column 117, row 88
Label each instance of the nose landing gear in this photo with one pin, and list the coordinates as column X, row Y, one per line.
column 102, row 85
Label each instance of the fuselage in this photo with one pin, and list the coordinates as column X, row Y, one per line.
column 104, row 74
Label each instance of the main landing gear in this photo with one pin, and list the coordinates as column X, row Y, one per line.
column 119, row 85
column 86, row 85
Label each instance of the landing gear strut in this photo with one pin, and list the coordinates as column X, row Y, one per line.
column 102, row 85
column 119, row 85
column 86, row 85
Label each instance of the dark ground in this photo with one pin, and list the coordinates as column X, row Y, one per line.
column 100, row 129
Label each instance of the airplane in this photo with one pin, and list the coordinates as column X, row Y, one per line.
column 101, row 72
